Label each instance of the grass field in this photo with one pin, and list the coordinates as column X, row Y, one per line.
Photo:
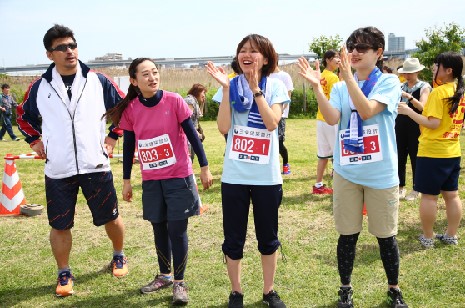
column 306, row 277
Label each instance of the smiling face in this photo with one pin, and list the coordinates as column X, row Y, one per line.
column 365, row 46
column 248, row 54
column 364, row 55
column 65, row 61
column 147, row 78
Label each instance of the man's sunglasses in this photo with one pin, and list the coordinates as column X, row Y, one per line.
column 360, row 47
column 64, row 47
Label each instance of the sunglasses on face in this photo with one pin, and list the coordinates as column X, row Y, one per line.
column 360, row 47
column 64, row 47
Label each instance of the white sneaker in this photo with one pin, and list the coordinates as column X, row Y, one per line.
column 402, row 192
column 412, row 195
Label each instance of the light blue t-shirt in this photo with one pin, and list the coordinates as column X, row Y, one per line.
column 380, row 174
column 239, row 172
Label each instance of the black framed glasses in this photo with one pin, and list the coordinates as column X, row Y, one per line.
column 360, row 47
column 64, row 47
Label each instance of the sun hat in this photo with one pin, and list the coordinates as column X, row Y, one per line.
column 411, row 65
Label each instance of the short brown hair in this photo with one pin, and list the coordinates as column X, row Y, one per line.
column 265, row 47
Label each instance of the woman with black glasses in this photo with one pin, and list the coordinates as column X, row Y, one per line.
column 365, row 155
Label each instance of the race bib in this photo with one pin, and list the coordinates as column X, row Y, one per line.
column 372, row 147
column 251, row 145
column 156, row 153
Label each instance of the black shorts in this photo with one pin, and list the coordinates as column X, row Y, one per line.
column 435, row 174
column 170, row 199
column 98, row 189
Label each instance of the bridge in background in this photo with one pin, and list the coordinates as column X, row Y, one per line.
column 167, row 62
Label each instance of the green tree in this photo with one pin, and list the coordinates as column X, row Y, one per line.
column 438, row 40
column 321, row 44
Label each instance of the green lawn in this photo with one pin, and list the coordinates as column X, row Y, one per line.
column 306, row 277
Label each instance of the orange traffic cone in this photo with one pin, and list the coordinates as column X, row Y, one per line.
column 12, row 191
column 364, row 210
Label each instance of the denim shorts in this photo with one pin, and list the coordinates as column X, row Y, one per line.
column 98, row 189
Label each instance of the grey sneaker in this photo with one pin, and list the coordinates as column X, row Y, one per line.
column 413, row 195
column 158, row 283
column 180, row 294
column 402, row 193
column 426, row 242
column 448, row 240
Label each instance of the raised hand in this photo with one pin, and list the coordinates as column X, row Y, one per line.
column 218, row 73
column 252, row 76
column 344, row 64
column 312, row 75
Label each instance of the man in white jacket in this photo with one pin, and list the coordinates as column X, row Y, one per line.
column 61, row 118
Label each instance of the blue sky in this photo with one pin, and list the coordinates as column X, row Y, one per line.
column 175, row 28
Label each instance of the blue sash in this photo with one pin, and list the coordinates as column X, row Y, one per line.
column 353, row 136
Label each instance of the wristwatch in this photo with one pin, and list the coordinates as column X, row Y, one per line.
column 259, row 93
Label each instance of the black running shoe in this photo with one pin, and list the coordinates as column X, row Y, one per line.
column 395, row 298
column 236, row 300
column 272, row 300
column 345, row 297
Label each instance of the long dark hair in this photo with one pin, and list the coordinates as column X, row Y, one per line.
column 369, row 35
column 114, row 114
column 454, row 61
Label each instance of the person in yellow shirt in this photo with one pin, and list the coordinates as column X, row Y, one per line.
column 438, row 159
column 400, row 75
column 325, row 133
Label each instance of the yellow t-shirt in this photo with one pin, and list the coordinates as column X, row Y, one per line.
column 442, row 142
column 328, row 79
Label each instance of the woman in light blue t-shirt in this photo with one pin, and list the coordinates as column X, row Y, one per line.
column 364, row 106
column 250, row 109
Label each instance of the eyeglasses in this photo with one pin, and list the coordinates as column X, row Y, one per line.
column 360, row 47
column 64, row 47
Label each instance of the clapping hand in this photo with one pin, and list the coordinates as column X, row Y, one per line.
column 344, row 65
column 218, row 73
column 312, row 75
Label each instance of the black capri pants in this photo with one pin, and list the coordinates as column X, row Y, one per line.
column 266, row 200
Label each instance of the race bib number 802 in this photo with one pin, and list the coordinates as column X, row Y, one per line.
column 251, row 145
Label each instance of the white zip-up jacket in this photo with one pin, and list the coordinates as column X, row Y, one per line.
column 73, row 131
